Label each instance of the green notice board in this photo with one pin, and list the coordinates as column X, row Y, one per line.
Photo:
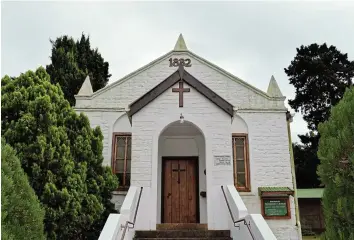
column 275, row 207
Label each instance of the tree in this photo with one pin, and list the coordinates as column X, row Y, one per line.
column 72, row 61
column 320, row 75
column 61, row 154
column 306, row 161
column 21, row 213
column 336, row 170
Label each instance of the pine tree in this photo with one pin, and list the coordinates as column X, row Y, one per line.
column 72, row 61
column 336, row 170
column 320, row 75
column 21, row 213
column 60, row 153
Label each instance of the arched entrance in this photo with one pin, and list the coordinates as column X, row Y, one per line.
column 181, row 174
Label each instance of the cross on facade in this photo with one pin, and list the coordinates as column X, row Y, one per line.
column 178, row 170
column 181, row 90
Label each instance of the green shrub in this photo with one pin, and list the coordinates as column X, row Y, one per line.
column 21, row 213
column 336, row 152
column 61, row 154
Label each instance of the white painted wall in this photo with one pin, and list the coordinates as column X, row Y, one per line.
column 239, row 125
column 269, row 158
column 261, row 117
column 269, row 164
column 215, row 126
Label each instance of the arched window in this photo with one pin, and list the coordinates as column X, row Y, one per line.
column 121, row 158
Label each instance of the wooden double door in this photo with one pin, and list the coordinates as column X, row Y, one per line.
column 180, row 190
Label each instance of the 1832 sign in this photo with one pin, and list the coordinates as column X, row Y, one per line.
column 176, row 62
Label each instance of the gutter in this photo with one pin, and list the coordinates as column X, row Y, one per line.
column 289, row 119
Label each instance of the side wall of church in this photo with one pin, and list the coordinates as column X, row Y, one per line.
column 269, row 162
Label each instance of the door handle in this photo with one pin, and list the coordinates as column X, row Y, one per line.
column 169, row 195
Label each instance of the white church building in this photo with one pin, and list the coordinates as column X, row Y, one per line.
column 194, row 144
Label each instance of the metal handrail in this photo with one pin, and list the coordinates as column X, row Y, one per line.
column 125, row 226
column 232, row 217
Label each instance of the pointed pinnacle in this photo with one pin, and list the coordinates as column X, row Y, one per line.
column 273, row 88
column 180, row 44
column 86, row 88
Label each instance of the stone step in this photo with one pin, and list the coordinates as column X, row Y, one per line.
column 182, row 226
column 183, row 233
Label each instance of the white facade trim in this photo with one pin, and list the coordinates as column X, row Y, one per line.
column 160, row 59
column 87, row 109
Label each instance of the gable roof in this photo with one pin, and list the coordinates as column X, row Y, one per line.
column 175, row 77
column 167, row 55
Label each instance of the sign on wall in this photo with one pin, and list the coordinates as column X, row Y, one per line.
column 275, row 207
column 222, row 160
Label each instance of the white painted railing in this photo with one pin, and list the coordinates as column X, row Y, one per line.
column 243, row 225
column 111, row 227
column 119, row 224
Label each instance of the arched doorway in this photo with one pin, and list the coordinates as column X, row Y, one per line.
column 181, row 174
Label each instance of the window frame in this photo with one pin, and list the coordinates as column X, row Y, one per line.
column 121, row 186
column 247, row 187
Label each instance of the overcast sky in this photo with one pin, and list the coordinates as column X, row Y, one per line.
column 252, row 40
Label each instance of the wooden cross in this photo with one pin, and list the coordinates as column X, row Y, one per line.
column 181, row 90
column 178, row 170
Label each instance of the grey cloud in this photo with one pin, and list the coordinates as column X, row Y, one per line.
column 252, row 40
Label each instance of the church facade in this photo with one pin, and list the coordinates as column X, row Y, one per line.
column 182, row 127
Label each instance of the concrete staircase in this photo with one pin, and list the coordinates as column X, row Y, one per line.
column 182, row 232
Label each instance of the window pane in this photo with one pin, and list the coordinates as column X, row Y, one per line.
column 120, row 152
column 240, row 152
column 239, row 141
column 240, row 166
column 128, row 165
column 241, row 180
column 129, row 150
column 120, row 166
column 127, row 179
column 120, row 179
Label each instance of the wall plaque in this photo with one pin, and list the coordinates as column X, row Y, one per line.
column 222, row 160
column 273, row 207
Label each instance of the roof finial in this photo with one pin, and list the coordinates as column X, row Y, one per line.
column 273, row 88
column 180, row 44
column 86, row 88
